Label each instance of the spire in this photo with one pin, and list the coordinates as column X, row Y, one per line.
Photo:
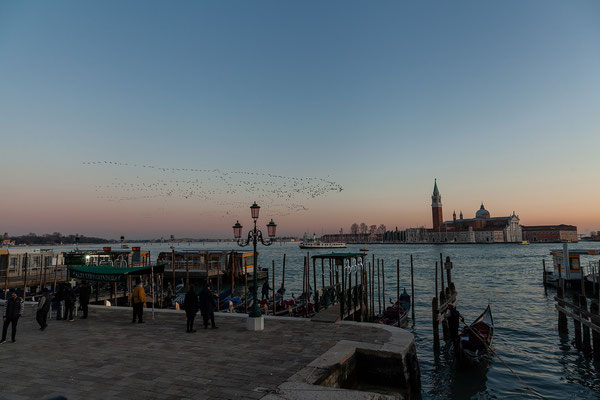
column 461, row 217
column 435, row 189
column 482, row 207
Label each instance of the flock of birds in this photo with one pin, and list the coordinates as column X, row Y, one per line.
column 283, row 195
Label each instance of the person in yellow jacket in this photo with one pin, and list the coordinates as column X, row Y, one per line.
column 139, row 301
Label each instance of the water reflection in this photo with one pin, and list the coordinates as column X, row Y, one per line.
column 469, row 382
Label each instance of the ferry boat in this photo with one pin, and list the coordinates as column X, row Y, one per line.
column 315, row 243
column 198, row 264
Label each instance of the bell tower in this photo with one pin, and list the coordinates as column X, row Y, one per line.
column 436, row 208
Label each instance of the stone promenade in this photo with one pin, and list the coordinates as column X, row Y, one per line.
column 108, row 357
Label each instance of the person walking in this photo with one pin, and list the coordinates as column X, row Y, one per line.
column 207, row 306
column 13, row 309
column 69, row 298
column 190, row 304
column 139, row 301
column 85, row 292
column 43, row 307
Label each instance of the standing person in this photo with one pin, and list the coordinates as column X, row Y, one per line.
column 43, row 307
column 69, row 298
column 207, row 306
column 265, row 290
column 139, row 301
column 85, row 292
column 13, row 309
column 190, row 304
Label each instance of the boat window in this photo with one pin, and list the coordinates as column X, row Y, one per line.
column 574, row 261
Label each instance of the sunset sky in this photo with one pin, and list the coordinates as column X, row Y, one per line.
column 139, row 118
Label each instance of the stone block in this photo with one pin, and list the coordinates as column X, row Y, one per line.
column 255, row 324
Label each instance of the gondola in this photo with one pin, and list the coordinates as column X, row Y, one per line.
column 476, row 339
column 396, row 314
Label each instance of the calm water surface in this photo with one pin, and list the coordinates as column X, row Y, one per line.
column 509, row 277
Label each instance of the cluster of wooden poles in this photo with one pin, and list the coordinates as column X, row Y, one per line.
column 584, row 321
column 368, row 284
column 439, row 304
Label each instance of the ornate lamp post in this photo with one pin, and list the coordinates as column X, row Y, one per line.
column 253, row 237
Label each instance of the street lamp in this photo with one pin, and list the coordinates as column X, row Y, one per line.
column 253, row 237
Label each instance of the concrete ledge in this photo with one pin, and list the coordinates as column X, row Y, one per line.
column 305, row 391
column 321, row 378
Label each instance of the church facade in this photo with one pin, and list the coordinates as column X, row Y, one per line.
column 483, row 228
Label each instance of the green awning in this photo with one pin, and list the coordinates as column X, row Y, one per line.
column 111, row 274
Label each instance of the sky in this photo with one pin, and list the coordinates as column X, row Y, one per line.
column 152, row 118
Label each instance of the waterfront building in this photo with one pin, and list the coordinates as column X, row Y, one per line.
column 483, row 228
column 550, row 233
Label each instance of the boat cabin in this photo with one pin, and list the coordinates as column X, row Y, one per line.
column 15, row 261
column 567, row 265
column 133, row 257
column 211, row 263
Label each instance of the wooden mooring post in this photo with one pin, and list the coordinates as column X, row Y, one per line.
column 445, row 330
column 583, row 322
column 412, row 286
column 435, row 323
column 442, row 271
column 383, row 284
column 577, row 322
column 439, row 306
column 595, row 335
column 586, row 344
column 544, row 269
column 562, row 317
column 398, row 285
column 378, row 288
column 436, row 280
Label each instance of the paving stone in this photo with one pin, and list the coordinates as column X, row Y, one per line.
column 107, row 357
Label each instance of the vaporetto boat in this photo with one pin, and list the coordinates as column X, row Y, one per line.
column 317, row 244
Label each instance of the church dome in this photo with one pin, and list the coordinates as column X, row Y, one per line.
column 482, row 212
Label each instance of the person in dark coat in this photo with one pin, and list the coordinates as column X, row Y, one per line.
column 85, row 291
column 207, row 305
column 190, row 303
column 13, row 309
column 43, row 307
column 265, row 290
column 69, row 298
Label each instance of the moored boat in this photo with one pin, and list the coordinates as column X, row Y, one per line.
column 476, row 339
column 396, row 314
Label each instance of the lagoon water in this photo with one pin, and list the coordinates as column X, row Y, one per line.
column 507, row 276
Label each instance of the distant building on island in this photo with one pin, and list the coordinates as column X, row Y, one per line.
column 483, row 228
column 550, row 233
